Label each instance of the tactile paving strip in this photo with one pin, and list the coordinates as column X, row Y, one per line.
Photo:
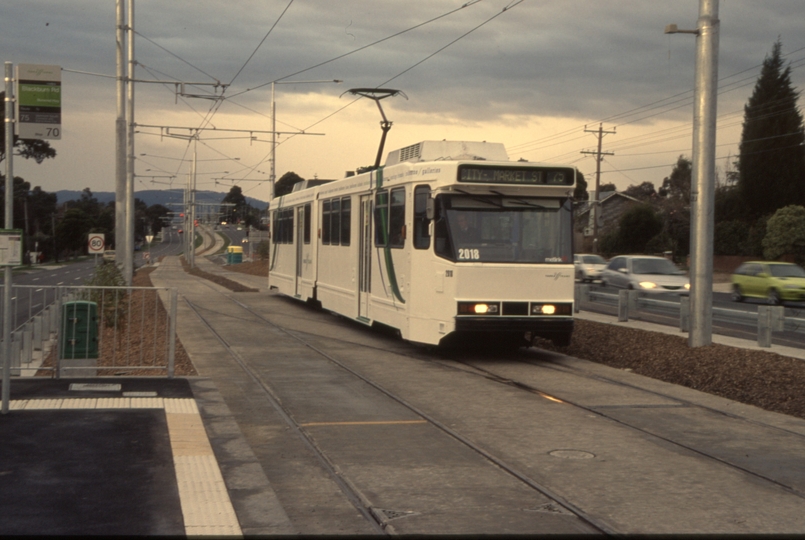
column 206, row 506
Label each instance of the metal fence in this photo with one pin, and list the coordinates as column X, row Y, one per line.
column 627, row 304
column 132, row 331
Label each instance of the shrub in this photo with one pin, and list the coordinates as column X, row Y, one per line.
column 112, row 304
column 262, row 250
column 730, row 238
column 785, row 234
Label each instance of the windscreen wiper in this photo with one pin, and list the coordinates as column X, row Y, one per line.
column 521, row 201
column 479, row 199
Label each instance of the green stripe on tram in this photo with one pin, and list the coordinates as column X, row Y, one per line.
column 384, row 225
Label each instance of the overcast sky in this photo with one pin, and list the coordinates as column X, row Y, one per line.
column 530, row 74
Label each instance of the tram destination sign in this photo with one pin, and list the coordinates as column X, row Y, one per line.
column 38, row 101
column 556, row 176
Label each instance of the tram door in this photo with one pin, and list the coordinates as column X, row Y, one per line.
column 300, row 219
column 365, row 254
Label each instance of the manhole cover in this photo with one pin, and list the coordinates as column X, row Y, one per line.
column 571, row 454
column 95, row 387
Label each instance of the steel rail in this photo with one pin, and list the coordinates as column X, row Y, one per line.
column 596, row 524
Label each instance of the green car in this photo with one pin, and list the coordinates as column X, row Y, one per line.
column 775, row 281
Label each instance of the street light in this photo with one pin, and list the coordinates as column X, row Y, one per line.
column 702, row 186
column 273, row 176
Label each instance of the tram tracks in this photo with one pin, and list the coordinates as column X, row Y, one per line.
column 376, row 516
column 599, row 411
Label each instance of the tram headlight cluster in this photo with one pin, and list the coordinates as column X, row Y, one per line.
column 515, row 308
column 478, row 308
column 543, row 309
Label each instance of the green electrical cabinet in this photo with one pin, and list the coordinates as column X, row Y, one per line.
column 79, row 330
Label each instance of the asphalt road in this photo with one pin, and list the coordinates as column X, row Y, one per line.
column 35, row 287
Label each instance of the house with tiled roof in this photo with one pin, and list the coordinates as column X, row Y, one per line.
column 613, row 204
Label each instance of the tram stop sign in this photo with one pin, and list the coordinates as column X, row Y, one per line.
column 96, row 243
column 38, row 101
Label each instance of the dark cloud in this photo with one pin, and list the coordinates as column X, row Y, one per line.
column 580, row 59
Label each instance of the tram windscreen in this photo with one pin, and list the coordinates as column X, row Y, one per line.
column 504, row 229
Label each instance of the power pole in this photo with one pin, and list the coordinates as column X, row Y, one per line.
column 596, row 206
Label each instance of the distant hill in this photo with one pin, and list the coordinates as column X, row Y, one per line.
column 165, row 197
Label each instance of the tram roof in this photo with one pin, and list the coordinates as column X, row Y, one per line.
column 448, row 151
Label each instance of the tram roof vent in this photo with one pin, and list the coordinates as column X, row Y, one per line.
column 448, row 150
column 304, row 184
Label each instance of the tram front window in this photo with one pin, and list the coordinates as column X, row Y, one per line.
column 504, row 229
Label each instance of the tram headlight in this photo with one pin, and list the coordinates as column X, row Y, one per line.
column 478, row 308
column 563, row 309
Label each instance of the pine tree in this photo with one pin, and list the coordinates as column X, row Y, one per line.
column 772, row 161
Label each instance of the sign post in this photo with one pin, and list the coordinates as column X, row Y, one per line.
column 96, row 245
column 10, row 247
column 38, row 101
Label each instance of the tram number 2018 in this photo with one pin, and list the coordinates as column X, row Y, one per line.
column 468, row 254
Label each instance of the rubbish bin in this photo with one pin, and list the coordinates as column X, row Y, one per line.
column 79, row 330
column 234, row 255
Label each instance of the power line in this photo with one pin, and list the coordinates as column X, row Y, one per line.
column 466, row 4
column 174, row 55
column 524, row 147
column 262, row 41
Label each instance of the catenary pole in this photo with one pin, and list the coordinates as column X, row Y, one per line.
column 128, row 266
column 120, row 133
column 703, row 176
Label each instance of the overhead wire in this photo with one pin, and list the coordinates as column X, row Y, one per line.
column 261, row 42
column 372, row 44
column 218, row 102
column 511, row 5
column 675, row 99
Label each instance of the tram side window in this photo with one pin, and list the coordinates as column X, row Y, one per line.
column 325, row 222
column 307, row 224
column 421, row 230
column 346, row 217
column 288, row 228
column 390, row 218
column 397, row 218
column 381, row 218
column 282, row 226
column 335, row 222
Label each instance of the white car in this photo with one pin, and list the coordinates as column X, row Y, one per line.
column 645, row 273
column 588, row 266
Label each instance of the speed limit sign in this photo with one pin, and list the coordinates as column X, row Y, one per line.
column 96, row 243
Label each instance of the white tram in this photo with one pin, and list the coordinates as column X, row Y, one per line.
column 447, row 241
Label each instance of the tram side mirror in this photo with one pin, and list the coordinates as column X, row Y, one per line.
column 430, row 209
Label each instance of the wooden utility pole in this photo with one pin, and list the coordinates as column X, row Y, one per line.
column 595, row 209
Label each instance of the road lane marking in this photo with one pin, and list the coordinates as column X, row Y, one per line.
column 378, row 423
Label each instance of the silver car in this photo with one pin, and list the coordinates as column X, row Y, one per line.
column 588, row 266
column 647, row 274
